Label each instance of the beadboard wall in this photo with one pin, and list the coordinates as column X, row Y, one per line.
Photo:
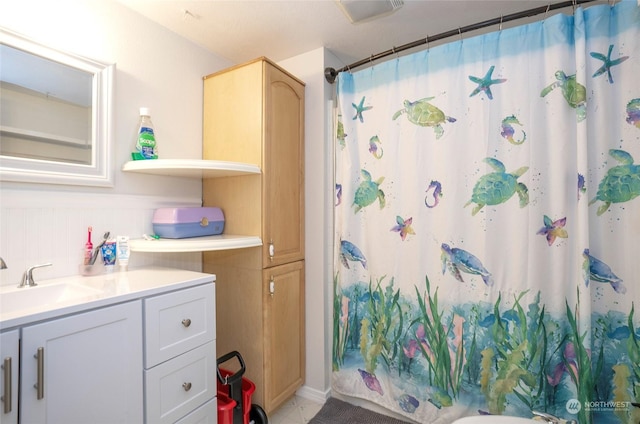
column 47, row 226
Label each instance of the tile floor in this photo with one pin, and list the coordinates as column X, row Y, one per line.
column 296, row 410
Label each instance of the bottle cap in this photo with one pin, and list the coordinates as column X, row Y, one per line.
column 144, row 111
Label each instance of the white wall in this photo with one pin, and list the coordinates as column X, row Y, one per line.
column 319, row 195
column 154, row 68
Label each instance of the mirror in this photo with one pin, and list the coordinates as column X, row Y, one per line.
column 55, row 125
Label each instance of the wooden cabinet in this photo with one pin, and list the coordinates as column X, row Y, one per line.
column 254, row 113
column 84, row 368
column 9, row 354
column 283, row 305
column 262, row 317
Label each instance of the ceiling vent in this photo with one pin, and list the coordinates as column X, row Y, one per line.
column 366, row 10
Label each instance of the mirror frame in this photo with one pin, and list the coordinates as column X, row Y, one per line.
column 100, row 172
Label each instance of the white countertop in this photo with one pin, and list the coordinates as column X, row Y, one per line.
column 90, row 292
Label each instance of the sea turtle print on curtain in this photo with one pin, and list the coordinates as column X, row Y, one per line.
column 487, row 224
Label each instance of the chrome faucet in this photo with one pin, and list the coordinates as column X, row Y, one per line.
column 27, row 277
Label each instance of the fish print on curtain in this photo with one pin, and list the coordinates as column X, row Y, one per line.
column 487, row 224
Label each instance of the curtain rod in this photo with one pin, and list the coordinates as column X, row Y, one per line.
column 330, row 73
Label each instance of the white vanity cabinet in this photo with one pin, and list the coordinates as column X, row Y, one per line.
column 180, row 357
column 9, row 351
column 84, row 368
column 139, row 348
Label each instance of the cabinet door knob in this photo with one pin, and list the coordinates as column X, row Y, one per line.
column 272, row 250
column 272, row 286
column 186, row 386
column 186, row 322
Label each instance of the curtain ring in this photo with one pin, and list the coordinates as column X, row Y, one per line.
column 426, row 40
column 546, row 11
column 500, row 27
column 460, row 33
column 393, row 50
column 574, row 6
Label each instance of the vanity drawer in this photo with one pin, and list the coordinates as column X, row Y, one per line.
column 178, row 322
column 178, row 386
column 206, row 414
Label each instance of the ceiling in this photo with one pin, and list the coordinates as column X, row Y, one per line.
column 241, row 30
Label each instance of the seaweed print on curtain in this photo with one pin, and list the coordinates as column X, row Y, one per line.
column 487, row 224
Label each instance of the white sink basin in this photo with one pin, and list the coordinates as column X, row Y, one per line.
column 42, row 295
column 494, row 419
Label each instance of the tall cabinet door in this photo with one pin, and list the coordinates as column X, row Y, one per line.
column 283, row 168
column 284, row 362
column 9, row 349
column 84, row 368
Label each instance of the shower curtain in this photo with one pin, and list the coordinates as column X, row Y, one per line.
column 487, row 224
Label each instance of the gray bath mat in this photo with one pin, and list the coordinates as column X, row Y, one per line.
column 336, row 411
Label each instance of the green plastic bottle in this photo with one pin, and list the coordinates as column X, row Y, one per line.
column 146, row 147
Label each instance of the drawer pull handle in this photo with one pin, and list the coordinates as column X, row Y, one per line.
column 186, row 322
column 186, row 386
column 7, row 398
column 39, row 386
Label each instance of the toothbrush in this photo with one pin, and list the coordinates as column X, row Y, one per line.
column 88, row 248
column 94, row 255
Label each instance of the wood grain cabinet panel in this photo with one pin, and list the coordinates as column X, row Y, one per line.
column 254, row 113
